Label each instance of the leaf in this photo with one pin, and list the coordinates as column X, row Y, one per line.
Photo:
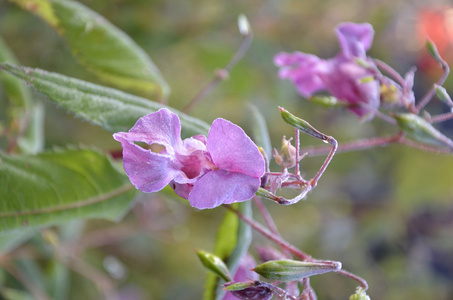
column 12, row 239
column 13, row 88
column 260, row 131
column 233, row 240
column 58, row 186
column 21, row 109
column 109, row 108
column 100, row 46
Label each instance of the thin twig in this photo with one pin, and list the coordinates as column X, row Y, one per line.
column 362, row 281
column 441, row 117
column 432, row 91
column 221, row 74
column 354, row 145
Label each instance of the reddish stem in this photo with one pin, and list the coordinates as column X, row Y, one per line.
column 276, row 239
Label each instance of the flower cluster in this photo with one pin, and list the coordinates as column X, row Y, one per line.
column 223, row 168
column 350, row 76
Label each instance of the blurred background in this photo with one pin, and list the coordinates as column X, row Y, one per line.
column 385, row 213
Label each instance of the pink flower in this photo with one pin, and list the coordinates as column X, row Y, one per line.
column 342, row 75
column 224, row 168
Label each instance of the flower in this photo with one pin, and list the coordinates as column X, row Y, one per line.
column 349, row 76
column 224, row 168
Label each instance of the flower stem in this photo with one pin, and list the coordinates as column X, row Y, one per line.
column 432, row 91
column 362, row 281
column 276, row 239
column 354, row 145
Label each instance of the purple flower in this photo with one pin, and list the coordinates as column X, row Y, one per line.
column 224, row 168
column 342, row 75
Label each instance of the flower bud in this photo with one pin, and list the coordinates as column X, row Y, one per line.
column 244, row 25
column 214, row 264
column 442, row 94
column 290, row 270
column 359, row 295
column 328, row 101
column 420, row 130
column 300, row 124
column 252, row 290
column 265, row 194
column 432, row 49
column 287, row 155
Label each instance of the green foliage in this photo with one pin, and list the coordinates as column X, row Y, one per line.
column 57, row 186
column 111, row 109
column 233, row 241
column 100, row 46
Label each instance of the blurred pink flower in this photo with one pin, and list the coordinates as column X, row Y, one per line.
column 224, row 168
column 342, row 75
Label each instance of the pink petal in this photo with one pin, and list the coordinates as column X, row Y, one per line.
column 161, row 127
column 148, row 171
column 355, row 39
column 303, row 70
column 222, row 187
column 232, row 150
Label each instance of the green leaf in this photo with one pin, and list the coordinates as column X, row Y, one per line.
column 109, row 108
column 12, row 239
column 13, row 88
column 100, row 46
column 58, row 186
column 233, row 241
column 21, row 109
column 260, row 132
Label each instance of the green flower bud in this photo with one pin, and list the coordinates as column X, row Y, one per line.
column 237, row 286
column 290, row 270
column 442, row 94
column 432, row 49
column 420, row 130
column 265, row 194
column 214, row 264
column 300, row 124
column 328, row 101
column 359, row 295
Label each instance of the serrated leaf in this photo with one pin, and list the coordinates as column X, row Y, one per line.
column 58, row 186
column 109, row 108
column 100, row 46
column 14, row 89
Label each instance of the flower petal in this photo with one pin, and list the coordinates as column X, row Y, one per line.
column 302, row 69
column 222, row 187
column 232, row 150
column 148, row 171
column 161, row 127
column 344, row 82
column 355, row 39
